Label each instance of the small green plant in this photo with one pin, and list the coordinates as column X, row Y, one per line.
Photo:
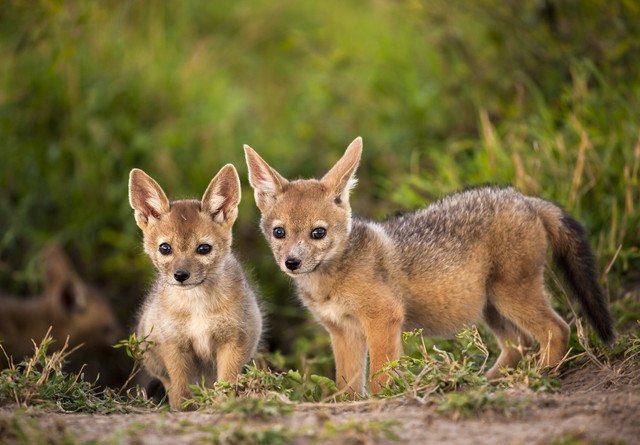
column 530, row 374
column 41, row 381
column 253, row 383
column 264, row 383
column 255, row 407
column 632, row 350
column 454, row 379
column 462, row 404
column 436, row 370
column 627, row 347
column 135, row 347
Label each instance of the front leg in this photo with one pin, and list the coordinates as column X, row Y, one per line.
column 383, row 330
column 230, row 358
column 349, row 351
column 178, row 363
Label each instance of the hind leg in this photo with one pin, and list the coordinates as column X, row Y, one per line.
column 512, row 341
column 525, row 304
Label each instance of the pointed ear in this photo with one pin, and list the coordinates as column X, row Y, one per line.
column 69, row 299
column 146, row 197
column 57, row 267
column 222, row 196
column 341, row 178
column 266, row 182
column 60, row 281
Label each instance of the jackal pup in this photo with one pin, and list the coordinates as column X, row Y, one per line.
column 72, row 307
column 474, row 255
column 201, row 315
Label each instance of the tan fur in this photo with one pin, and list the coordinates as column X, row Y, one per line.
column 69, row 305
column 476, row 255
column 209, row 325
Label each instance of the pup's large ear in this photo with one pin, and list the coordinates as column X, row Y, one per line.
column 341, row 178
column 266, row 182
column 222, row 197
column 146, row 197
column 61, row 281
column 57, row 267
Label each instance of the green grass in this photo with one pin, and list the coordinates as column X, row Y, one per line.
column 265, row 384
column 426, row 372
column 254, row 408
column 451, row 367
column 476, row 401
column 445, row 376
column 40, row 381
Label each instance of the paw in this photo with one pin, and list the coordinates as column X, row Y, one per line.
column 378, row 382
column 495, row 373
column 351, row 393
column 176, row 402
column 179, row 406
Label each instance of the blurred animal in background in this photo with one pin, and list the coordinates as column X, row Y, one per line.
column 69, row 305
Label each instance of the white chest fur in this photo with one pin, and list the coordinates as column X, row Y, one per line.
column 328, row 311
column 199, row 332
column 196, row 320
column 327, row 305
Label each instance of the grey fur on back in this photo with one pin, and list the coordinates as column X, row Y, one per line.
column 449, row 227
column 432, row 238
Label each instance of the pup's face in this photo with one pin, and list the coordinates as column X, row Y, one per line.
column 188, row 239
column 306, row 222
column 305, row 227
column 185, row 245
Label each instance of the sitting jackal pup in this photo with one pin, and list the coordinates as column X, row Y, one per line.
column 474, row 255
column 201, row 314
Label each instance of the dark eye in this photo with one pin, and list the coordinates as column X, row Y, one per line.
column 318, row 233
column 203, row 249
column 165, row 249
column 278, row 232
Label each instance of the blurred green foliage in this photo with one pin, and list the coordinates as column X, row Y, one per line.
column 542, row 94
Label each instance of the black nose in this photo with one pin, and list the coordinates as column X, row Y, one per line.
column 292, row 263
column 181, row 275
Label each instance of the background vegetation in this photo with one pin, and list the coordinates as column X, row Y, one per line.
column 542, row 94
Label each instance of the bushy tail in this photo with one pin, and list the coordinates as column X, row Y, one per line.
column 573, row 256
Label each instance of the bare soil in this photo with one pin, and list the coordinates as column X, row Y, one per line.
column 594, row 405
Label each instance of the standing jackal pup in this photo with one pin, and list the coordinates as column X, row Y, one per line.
column 201, row 314
column 474, row 255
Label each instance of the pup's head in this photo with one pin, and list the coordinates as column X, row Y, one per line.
column 79, row 310
column 187, row 239
column 306, row 222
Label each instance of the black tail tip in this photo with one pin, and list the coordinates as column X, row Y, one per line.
column 603, row 326
column 608, row 336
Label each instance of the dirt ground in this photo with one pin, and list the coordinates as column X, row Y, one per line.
column 594, row 405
